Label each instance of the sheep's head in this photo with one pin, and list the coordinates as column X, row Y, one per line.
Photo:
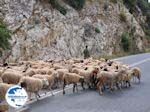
column 45, row 82
column 117, row 67
column 96, row 70
column 105, row 69
column 23, row 84
column 82, row 61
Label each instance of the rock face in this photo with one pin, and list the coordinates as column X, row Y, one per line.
column 42, row 32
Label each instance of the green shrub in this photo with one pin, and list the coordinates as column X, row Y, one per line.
column 76, row 4
column 55, row 4
column 131, row 4
column 4, row 36
column 147, row 33
column 97, row 30
column 123, row 17
column 125, row 41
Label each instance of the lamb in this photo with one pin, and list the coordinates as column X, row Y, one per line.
column 136, row 73
column 11, row 78
column 72, row 78
column 33, row 85
column 50, row 78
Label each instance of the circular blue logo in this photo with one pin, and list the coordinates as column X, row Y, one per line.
column 16, row 96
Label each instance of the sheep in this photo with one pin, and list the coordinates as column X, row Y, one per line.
column 72, row 78
column 2, row 71
column 136, row 73
column 87, row 73
column 61, row 72
column 4, row 107
column 50, row 78
column 110, row 78
column 126, row 78
column 33, row 85
column 3, row 89
column 30, row 73
column 58, row 66
column 11, row 78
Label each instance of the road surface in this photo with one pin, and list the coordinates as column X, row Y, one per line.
column 134, row 99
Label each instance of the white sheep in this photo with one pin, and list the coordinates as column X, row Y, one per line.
column 61, row 73
column 33, row 85
column 50, row 78
column 11, row 78
column 72, row 78
column 110, row 78
column 87, row 73
column 3, row 89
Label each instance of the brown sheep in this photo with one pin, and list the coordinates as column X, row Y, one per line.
column 136, row 73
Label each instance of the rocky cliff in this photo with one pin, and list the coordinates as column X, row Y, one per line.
column 42, row 32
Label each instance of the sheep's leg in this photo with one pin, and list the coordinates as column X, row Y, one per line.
column 30, row 96
column 64, row 84
column 37, row 95
column 82, row 84
column 117, row 85
column 51, row 91
column 100, row 90
column 129, row 83
column 74, row 88
column 139, row 79
column 64, row 89
column 99, row 86
column 89, row 85
column 111, row 87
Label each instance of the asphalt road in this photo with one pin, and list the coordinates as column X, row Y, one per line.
column 134, row 99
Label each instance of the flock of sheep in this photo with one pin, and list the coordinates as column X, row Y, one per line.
column 35, row 76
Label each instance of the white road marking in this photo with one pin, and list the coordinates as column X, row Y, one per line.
column 43, row 96
column 126, row 57
column 140, row 62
